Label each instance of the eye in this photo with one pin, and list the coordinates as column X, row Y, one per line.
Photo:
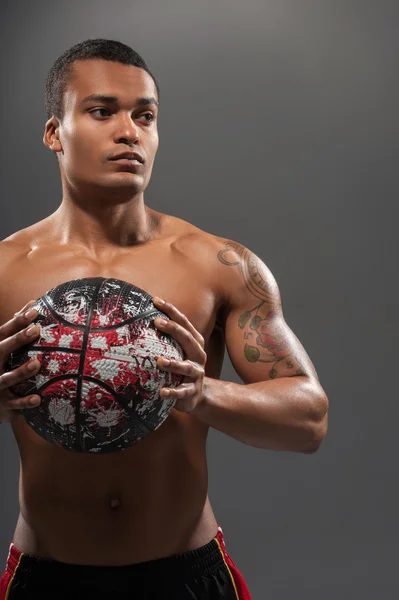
column 149, row 117
column 101, row 110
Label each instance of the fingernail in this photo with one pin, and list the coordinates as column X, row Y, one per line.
column 34, row 400
column 32, row 312
column 161, row 322
column 166, row 362
column 166, row 392
column 32, row 365
column 158, row 300
column 31, row 330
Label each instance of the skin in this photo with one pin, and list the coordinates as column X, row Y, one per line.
column 151, row 500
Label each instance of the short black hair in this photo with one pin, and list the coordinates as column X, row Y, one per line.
column 100, row 49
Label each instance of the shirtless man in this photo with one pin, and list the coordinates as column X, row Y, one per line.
column 98, row 518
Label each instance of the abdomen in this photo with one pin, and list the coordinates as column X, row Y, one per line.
column 131, row 506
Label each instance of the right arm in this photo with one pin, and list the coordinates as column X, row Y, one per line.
column 13, row 332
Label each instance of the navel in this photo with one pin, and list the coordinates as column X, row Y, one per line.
column 114, row 503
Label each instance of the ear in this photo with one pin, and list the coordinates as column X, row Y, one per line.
column 51, row 135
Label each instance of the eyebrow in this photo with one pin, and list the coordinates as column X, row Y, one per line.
column 114, row 100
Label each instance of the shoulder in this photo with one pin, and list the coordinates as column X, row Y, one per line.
column 190, row 240
column 236, row 271
column 26, row 239
column 246, row 276
column 11, row 248
column 22, row 237
column 14, row 248
column 247, row 270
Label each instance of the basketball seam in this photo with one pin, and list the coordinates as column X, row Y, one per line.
column 146, row 313
column 133, row 417
column 82, row 361
column 44, row 349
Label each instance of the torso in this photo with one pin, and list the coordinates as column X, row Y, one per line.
column 151, row 500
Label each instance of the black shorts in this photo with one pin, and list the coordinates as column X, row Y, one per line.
column 207, row 573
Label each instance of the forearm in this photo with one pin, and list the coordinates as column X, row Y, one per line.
column 289, row 413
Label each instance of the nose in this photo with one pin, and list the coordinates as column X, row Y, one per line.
column 126, row 132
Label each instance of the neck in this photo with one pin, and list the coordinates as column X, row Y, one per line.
column 101, row 222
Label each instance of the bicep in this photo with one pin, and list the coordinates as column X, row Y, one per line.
column 260, row 344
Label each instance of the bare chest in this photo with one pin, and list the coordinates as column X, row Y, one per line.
column 158, row 272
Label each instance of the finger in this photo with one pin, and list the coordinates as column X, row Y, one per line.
column 183, row 391
column 24, row 308
column 180, row 367
column 26, row 402
column 26, row 336
column 18, row 322
column 11, row 378
column 190, row 345
column 179, row 317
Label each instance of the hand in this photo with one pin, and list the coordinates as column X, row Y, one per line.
column 189, row 393
column 14, row 334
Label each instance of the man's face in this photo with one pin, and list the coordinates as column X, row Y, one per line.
column 109, row 109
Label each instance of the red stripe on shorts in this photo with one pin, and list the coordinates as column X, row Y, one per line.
column 237, row 579
column 13, row 560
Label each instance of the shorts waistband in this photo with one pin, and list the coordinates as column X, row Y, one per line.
column 201, row 560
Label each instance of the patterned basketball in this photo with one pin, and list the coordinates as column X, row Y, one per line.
column 99, row 382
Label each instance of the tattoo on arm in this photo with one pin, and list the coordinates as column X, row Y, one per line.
column 264, row 336
column 251, row 268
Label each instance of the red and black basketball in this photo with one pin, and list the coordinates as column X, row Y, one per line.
column 99, row 382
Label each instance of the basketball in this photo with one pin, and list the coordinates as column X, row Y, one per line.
column 99, row 382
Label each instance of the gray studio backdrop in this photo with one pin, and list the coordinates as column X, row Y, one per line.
column 279, row 129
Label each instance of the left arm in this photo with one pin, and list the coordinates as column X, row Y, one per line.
column 281, row 404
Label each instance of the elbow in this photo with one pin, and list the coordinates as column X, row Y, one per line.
column 317, row 425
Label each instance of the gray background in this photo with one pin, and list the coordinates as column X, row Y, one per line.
column 279, row 129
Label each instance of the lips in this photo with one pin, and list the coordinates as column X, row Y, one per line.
column 128, row 156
